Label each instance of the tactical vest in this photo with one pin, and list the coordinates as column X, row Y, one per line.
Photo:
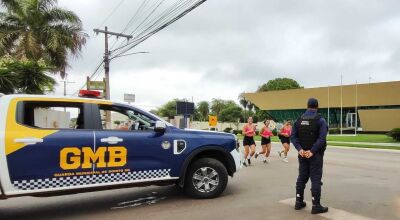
column 308, row 130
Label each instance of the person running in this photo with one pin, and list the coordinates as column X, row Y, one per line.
column 284, row 135
column 266, row 135
column 249, row 131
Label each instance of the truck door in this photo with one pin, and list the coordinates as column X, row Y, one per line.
column 44, row 145
column 135, row 152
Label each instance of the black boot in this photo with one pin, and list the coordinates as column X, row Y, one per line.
column 317, row 208
column 300, row 204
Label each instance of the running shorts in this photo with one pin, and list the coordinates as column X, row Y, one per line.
column 265, row 141
column 248, row 141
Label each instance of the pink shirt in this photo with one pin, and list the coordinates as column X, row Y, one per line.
column 248, row 128
column 286, row 131
column 267, row 133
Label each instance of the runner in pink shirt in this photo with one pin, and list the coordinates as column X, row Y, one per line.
column 249, row 131
column 266, row 135
column 284, row 135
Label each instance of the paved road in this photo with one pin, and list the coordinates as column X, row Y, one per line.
column 358, row 183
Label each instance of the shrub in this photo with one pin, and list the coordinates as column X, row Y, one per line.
column 395, row 134
column 227, row 130
column 334, row 130
column 236, row 132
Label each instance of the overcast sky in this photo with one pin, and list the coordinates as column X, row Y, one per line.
column 226, row 47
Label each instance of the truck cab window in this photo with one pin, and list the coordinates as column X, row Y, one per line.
column 118, row 118
column 51, row 115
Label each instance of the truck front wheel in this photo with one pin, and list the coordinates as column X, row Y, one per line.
column 206, row 178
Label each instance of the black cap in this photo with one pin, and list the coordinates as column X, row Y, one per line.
column 312, row 103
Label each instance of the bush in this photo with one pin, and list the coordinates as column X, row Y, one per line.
column 395, row 134
column 334, row 130
column 227, row 130
column 236, row 132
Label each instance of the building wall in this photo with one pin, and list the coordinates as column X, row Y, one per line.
column 373, row 94
column 379, row 119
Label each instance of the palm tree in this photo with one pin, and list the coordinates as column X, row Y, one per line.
column 24, row 76
column 8, row 81
column 32, row 78
column 204, row 109
column 38, row 29
column 244, row 103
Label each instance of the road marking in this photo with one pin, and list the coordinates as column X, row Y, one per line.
column 149, row 200
column 334, row 214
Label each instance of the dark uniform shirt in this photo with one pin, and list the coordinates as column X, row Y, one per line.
column 323, row 131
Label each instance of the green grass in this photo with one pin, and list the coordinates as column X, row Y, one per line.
column 364, row 146
column 370, row 138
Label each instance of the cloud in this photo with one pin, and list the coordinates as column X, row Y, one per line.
column 225, row 47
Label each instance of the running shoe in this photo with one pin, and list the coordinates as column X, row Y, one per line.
column 265, row 161
column 244, row 164
column 255, row 156
column 249, row 161
column 285, row 160
column 280, row 153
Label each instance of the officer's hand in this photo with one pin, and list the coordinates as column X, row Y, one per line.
column 309, row 154
column 302, row 153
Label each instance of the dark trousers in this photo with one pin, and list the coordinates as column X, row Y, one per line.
column 310, row 168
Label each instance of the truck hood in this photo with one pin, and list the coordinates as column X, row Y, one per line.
column 211, row 133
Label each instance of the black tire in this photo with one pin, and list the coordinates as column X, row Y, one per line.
column 215, row 188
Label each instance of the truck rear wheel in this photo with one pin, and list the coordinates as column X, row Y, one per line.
column 206, row 178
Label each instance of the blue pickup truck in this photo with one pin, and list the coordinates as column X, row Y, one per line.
column 61, row 145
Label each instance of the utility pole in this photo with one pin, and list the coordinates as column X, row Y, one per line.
column 355, row 132
column 329, row 108
column 65, row 82
column 107, row 55
column 341, row 104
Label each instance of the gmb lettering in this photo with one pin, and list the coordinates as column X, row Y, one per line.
column 74, row 157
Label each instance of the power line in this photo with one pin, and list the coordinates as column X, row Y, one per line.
column 151, row 23
column 140, row 38
column 111, row 13
column 91, row 76
column 141, row 10
column 138, row 31
column 107, row 56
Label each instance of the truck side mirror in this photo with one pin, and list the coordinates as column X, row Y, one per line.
column 160, row 127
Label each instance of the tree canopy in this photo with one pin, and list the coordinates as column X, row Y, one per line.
column 24, row 76
column 39, row 30
column 279, row 84
column 168, row 109
column 231, row 113
column 203, row 109
column 273, row 85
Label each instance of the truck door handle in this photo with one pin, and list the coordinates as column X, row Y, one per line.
column 28, row 140
column 111, row 140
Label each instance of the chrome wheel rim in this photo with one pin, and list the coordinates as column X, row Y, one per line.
column 205, row 179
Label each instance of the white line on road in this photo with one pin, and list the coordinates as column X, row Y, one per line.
column 334, row 214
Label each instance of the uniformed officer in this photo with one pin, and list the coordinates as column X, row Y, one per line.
column 309, row 138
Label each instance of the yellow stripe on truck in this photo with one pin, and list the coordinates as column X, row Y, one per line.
column 15, row 130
